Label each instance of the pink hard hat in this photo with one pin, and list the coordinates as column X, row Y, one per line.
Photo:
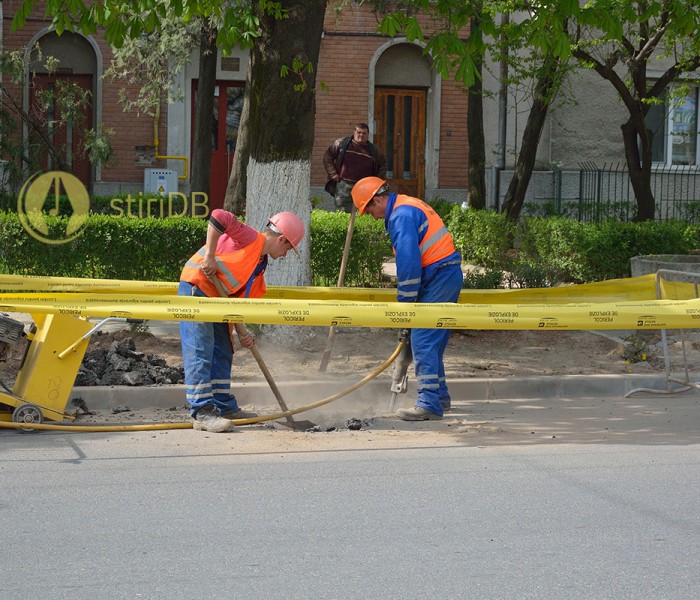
column 290, row 226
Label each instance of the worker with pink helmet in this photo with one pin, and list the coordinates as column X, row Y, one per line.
column 234, row 256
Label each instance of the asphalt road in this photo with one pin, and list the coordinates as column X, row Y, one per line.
column 144, row 515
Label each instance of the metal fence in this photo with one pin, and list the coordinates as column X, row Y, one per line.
column 606, row 192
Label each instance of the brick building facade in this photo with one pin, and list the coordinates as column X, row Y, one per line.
column 365, row 73
column 85, row 58
column 418, row 118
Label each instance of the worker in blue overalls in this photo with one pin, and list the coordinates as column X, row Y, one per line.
column 428, row 269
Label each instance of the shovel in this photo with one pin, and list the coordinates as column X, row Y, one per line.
column 291, row 423
column 241, row 330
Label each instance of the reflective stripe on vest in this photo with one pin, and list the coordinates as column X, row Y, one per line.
column 234, row 270
column 437, row 241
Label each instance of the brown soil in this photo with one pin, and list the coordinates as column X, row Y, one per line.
column 469, row 354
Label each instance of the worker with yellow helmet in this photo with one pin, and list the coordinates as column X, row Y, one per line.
column 428, row 269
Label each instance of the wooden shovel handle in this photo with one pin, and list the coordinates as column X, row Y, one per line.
column 242, row 331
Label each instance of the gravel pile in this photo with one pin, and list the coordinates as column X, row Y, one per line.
column 121, row 364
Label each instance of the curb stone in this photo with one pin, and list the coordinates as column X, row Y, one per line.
column 302, row 392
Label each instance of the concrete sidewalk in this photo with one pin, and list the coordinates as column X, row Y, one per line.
column 485, row 412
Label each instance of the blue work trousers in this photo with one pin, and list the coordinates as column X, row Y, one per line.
column 207, row 353
column 428, row 345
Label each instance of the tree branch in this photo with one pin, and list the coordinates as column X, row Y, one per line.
column 610, row 75
column 670, row 74
column 43, row 136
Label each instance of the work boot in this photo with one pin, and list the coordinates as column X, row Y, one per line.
column 417, row 414
column 242, row 414
column 446, row 405
column 207, row 420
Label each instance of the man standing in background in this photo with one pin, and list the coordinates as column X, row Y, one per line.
column 348, row 160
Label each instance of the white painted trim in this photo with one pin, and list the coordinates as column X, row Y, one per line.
column 179, row 138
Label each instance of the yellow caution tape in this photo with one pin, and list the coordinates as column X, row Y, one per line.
column 635, row 288
column 34, row 283
column 615, row 304
column 651, row 314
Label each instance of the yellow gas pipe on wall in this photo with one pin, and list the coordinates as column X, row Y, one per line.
column 156, row 123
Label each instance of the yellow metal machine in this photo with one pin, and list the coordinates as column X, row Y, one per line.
column 55, row 350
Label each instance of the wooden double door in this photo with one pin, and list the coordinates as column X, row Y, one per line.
column 66, row 135
column 400, row 120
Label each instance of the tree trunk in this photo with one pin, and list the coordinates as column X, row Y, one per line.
column 204, row 113
column 543, row 97
column 639, row 167
column 235, row 199
column 281, row 116
column 477, row 144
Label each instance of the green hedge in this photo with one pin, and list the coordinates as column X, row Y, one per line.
column 369, row 248
column 129, row 248
column 483, row 237
column 548, row 251
column 536, row 253
column 569, row 251
column 557, row 245
column 155, row 249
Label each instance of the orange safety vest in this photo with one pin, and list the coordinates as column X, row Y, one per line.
column 234, row 270
column 437, row 242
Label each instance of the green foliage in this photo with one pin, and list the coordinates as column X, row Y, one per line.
column 608, row 246
column 690, row 212
column 24, row 154
column 300, row 70
column 483, row 237
column 547, row 251
column 541, row 209
column 111, row 248
column 153, row 63
column 131, row 19
column 634, row 350
column 138, row 326
column 369, row 248
column 620, row 40
column 98, row 145
column 442, row 208
column 555, row 244
column 527, row 274
column 570, row 251
column 152, row 249
column 486, row 280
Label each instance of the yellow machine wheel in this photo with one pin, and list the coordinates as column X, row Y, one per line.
column 27, row 413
